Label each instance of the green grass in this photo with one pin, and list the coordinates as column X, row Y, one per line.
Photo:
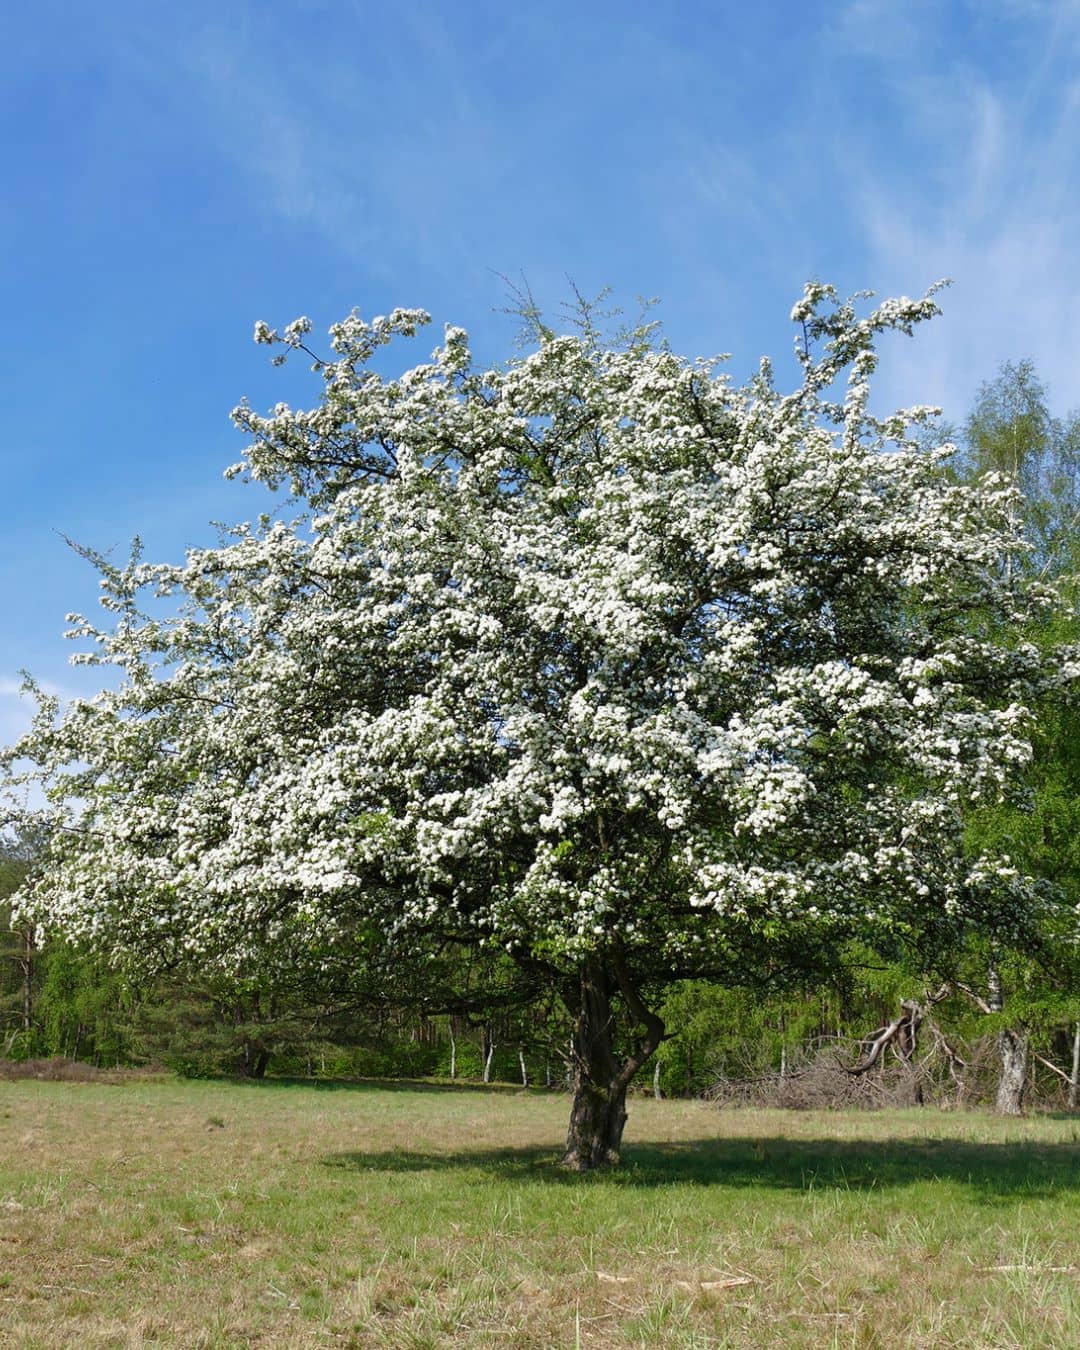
column 214, row 1214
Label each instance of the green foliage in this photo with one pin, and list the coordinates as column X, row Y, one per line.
column 1010, row 431
column 83, row 1007
column 17, row 1040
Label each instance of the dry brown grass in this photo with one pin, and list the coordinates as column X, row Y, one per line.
column 210, row 1214
column 59, row 1069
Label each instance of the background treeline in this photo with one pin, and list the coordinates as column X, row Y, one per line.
column 798, row 1047
column 990, row 1023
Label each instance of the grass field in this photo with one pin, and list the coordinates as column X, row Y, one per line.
column 214, row 1214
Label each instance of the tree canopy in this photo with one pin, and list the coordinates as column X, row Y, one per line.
column 596, row 659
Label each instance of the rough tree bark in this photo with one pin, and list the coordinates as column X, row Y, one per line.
column 1013, row 1049
column 598, row 1114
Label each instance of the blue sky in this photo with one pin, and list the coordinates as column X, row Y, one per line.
column 174, row 172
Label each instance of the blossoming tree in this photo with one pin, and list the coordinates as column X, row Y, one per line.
column 596, row 659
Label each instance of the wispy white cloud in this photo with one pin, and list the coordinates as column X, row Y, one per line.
column 877, row 28
column 17, row 707
column 997, row 209
column 377, row 151
column 16, row 711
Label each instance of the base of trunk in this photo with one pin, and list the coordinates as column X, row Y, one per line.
column 597, row 1120
column 602, row 1076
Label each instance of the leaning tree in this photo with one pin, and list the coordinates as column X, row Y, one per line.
column 595, row 659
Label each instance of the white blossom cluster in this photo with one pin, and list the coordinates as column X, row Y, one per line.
column 597, row 646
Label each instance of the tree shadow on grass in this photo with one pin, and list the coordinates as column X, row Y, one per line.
column 995, row 1171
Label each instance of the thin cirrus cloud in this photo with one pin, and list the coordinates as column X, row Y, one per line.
column 378, row 149
column 17, row 706
column 16, row 711
column 907, row 154
column 992, row 202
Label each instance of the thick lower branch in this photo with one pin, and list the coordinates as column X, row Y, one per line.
column 643, row 1016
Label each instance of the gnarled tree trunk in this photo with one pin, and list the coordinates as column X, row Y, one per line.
column 598, row 1114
